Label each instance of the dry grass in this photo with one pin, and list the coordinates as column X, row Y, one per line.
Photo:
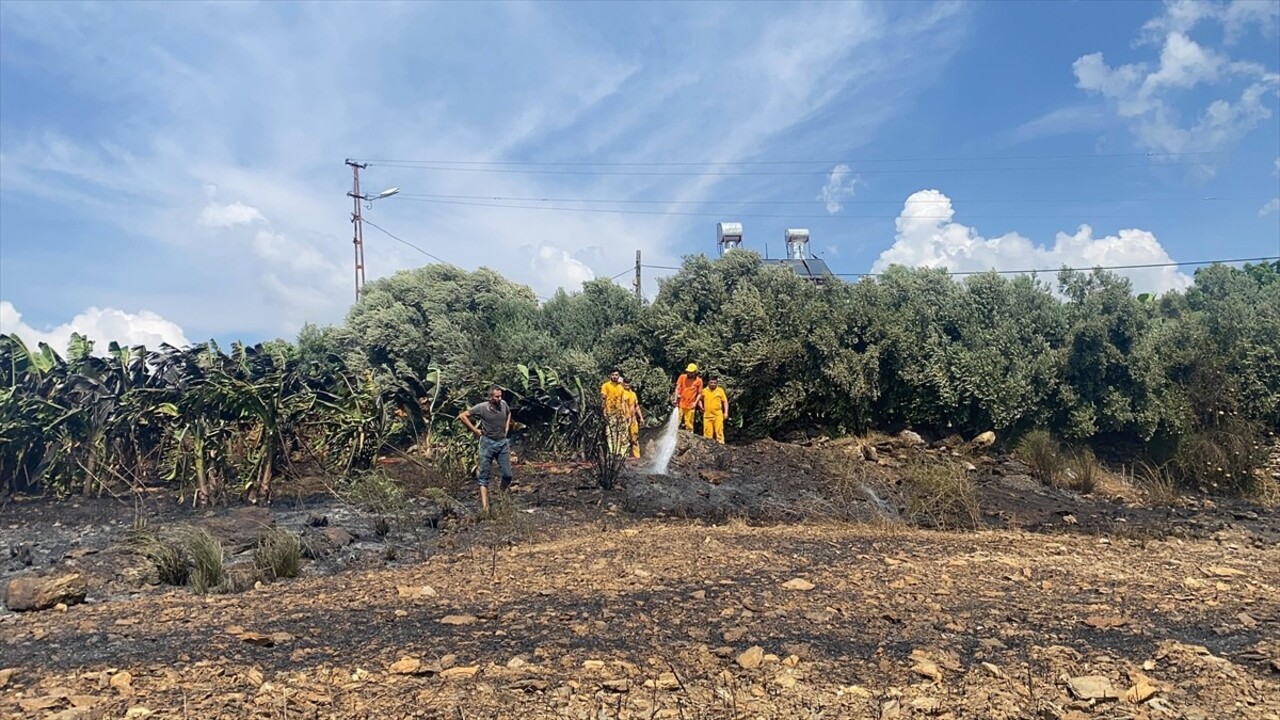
column 278, row 555
column 208, row 573
column 375, row 492
column 1083, row 472
column 1042, row 453
column 941, row 495
column 1156, row 483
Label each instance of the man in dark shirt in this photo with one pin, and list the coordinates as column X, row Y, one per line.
column 494, row 418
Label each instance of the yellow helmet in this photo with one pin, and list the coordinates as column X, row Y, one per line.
column 692, row 368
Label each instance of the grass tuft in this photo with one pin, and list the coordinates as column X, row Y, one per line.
column 1042, row 453
column 278, row 555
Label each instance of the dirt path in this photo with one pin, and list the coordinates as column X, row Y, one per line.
column 649, row 619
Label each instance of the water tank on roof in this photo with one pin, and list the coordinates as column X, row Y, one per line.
column 797, row 243
column 728, row 236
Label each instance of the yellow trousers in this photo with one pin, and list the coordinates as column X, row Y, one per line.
column 686, row 418
column 635, row 439
column 616, row 434
column 713, row 428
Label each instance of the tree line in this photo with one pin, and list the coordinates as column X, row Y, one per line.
column 1190, row 378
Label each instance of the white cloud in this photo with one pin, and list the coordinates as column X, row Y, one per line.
column 1272, row 206
column 928, row 236
column 1236, row 17
column 840, row 185
column 556, row 268
column 1151, row 98
column 225, row 216
column 102, row 325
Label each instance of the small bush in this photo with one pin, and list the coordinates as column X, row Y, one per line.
column 278, row 555
column 506, row 514
column 207, row 557
column 941, row 495
column 1083, row 472
column 169, row 557
column 376, row 493
column 1220, row 460
column 1042, row 453
column 381, row 527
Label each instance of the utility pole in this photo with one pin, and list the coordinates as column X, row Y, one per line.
column 357, row 231
column 636, row 285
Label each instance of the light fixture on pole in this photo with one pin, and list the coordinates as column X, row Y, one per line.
column 357, row 222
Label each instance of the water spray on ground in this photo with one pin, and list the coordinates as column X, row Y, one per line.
column 666, row 444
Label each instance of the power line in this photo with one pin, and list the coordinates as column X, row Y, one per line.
column 846, row 161
column 720, row 214
column 437, row 258
column 816, row 172
column 850, row 201
column 1052, row 270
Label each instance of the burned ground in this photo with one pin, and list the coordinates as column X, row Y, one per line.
column 594, row 604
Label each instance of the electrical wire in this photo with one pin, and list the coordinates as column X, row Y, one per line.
column 813, row 173
column 846, row 161
column 850, row 201
column 689, row 213
column 437, row 258
column 1050, row 270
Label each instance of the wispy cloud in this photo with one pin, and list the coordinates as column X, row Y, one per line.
column 1147, row 96
column 220, row 99
column 841, row 185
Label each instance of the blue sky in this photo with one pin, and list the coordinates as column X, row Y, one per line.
column 175, row 171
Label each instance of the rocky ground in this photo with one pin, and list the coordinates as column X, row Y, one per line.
column 743, row 585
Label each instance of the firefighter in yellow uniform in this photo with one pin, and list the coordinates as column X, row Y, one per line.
column 612, row 397
column 688, row 393
column 635, row 416
column 715, row 409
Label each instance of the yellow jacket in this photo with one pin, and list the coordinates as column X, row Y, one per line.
column 714, row 402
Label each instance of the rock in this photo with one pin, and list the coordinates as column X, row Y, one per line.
column 123, row 683
column 667, row 681
column 406, row 666
column 338, row 537
column 1141, row 691
column 751, row 659
column 928, row 669
column 927, row 705
column 799, row 584
column 618, row 686
column 1219, row 571
column 416, row 593
column 698, row 595
column 985, row 440
column 734, row 634
column 911, row 438
column 255, row 638
column 241, row 528
column 1103, row 622
column 786, row 680
column 1092, row 687
column 715, row 477
column 458, row 619
column 593, row 665
column 458, row 673
column 43, row 593
column 6, row 675
column 138, row 711
column 870, row 453
column 970, row 467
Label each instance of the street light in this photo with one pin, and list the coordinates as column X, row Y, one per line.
column 370, row 198
column 357, row 221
